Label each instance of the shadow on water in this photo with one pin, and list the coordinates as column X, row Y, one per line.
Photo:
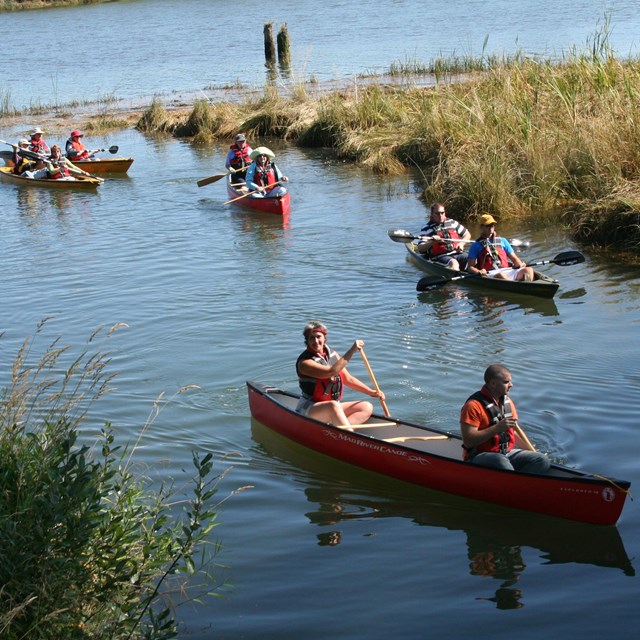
column 450, row 298
column 495, row 536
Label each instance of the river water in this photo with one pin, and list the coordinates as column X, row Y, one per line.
column 214, row 295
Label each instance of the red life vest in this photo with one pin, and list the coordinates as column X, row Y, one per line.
column 438, row 248
column 38, row 146
column 448, row 230
column 58, row 170
column 499, row 443
column 81, row 151
column 320, row 389
column 493, row 255
column 264, row 176
column 241, row 157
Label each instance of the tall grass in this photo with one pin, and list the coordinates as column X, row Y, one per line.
column 89, row 549
column 517, row 137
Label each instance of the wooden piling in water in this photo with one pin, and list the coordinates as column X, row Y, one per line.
column 269, row 46
column 284, row 56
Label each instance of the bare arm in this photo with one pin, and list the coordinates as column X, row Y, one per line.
column 357, row 385
column 314, row 369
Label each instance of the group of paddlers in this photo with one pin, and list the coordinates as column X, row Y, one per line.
column 443, row 240
column 255, row 168
column 32, row 158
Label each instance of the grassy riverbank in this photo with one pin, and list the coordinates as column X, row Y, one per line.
column 519, row 138
column 546, row 141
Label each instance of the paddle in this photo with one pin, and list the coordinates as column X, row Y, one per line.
column 273, row 184
column 400, row 235
column 218, row 176
column 26, row 152
column 36, row 156
column 112, row 149
column 523, row 436
column 563, row 259
column 211, row 179
column 375, row 383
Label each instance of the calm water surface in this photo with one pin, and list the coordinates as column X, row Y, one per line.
column 213, row 296
column 178, row 48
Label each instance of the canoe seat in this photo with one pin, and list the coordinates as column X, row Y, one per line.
column 405, row 438
column 374, row 424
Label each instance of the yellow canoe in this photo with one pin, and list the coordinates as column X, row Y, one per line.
column 80, row 182
column 105, row 165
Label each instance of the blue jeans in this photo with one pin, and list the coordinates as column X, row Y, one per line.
column 515, row 460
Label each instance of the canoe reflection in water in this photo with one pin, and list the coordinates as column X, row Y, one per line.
column 502, row 562
column 495, row 536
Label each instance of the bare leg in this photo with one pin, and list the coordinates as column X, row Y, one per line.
column 341, row 414
column 526, row 273
column 357, row 412
column 329, row 411
column 453, row 264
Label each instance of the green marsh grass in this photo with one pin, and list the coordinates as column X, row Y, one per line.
column 516, row 137
column 90, row 549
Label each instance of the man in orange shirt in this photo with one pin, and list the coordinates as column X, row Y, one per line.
column 487, row 422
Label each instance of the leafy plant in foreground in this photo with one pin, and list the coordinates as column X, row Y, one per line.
column 89, row 550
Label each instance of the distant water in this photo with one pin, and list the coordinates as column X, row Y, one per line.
column 185, row 48
column 214, row 295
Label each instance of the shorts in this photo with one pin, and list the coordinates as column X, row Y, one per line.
column 304, row 406
column 509, row 273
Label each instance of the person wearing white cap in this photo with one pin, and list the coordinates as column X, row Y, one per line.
column 263, row 176
column 493, row 256
column 21, row 162
column 37, row 143
column 238, row 159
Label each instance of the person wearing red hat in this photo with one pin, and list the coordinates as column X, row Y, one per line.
column 322, row 374
column 75, row 149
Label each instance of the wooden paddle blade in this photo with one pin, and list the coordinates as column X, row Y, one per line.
column 400, row 235
column 113, row 149
column 210, row 179
column 431, row 282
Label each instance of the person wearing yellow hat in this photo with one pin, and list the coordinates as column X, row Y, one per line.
column 263, row 176
column 493, row 256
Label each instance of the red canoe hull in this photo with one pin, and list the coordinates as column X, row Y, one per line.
column 436, row 463
column 280, row 206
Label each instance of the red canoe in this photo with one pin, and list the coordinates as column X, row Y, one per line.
column 432, row 458
column 279, row 206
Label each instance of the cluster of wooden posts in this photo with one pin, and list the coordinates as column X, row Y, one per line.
column 284, row 57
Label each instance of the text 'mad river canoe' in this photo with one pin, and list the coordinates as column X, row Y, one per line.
column 81, row 182
column 432, row 458
column 279, row 206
